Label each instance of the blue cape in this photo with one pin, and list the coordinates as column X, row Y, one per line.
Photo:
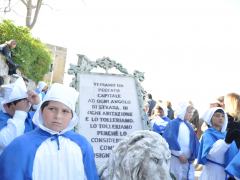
column 171, row 136
column 16, row 161
column 165, row 118
column 28, row 122
column 234, row 166
column 210, row 136
column 158, row 128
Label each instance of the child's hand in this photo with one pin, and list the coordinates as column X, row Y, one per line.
column 183, row 159
column 33, row 97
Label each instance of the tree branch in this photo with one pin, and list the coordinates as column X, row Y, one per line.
column 29, row 13
column 24, row 2
column 39, row 4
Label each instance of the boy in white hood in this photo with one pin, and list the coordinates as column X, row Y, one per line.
column 52, row 151
column 216, row 148
column 15, row 114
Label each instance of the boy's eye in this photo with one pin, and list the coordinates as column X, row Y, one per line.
column 66, row 111
column 51, row 108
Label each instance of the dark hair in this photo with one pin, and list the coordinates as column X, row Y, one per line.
column 44, row 105
column 15, row 102
column 149, row 96
column 25, row 79
column 169, row 104
column 159, row 108
column 219, row 111
column 1, row 80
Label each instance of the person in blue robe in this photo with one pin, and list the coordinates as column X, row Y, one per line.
column 53, row 151
column 159, row 120
column 215, row 152
column 41, row 89
column 15, row 117
column 182, row 142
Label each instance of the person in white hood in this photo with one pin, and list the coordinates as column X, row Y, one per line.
column 52, row 151
column 182, row 142
column 160, row 119
column 216, row 149
column 15, row 114
column 41, row 89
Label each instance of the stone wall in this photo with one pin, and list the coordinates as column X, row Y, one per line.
column 3, row 66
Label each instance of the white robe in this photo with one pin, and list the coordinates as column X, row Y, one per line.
column 15, row 127
column 49, row 157
column 213, row 171
column 178, row 169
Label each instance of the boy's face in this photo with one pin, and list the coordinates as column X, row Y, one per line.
column 21, row 104
column 218, row 120
column 56, row 116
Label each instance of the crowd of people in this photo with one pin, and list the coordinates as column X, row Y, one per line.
column 37, row 138
column 212, row 141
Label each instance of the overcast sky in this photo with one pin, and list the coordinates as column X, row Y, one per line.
column 188, row 49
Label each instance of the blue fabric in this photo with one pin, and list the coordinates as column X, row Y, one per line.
column 16, row 162
column 210, row 136
column 171, row 136
column 234, row 166
column 3, row 119
column 43, row 95
column 219, row 164
column 165, row 118
column 29, row 126
column 37, row 91
column 160, row 128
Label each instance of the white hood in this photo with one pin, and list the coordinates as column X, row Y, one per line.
column 182, row 109
column 14, row 91
column 41, row 85
column 64, row 94
column 209, row 114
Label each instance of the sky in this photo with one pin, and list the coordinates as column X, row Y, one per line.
column 188, row 49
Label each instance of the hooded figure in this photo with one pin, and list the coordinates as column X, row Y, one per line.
column 15, row 118
column 160, row 119
column 214, row 152
column 183, row 143
column 41, row 89
column 52, row 151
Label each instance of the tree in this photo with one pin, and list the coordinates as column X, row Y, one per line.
column 33, row 56
column 32, row 10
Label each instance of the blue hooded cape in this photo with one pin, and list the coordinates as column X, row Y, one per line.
column 210, row 136
column 28, row 122
column 171, row 136
column 159, row 128
column 16, row 161
column 234, row 166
